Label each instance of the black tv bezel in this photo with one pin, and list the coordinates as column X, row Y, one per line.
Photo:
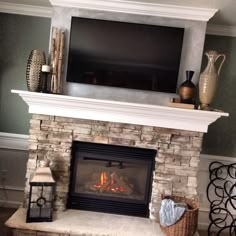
column 129, row 23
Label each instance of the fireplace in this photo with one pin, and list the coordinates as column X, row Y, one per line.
column 112, row 179
column 171, row 136
column 168, row 157
column 122, row 118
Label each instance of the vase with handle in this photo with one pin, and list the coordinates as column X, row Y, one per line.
column 209, row 78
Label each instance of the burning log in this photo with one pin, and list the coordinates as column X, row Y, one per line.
column 92, row 188
column 104, row 187
column 125, row 179
column 121, row 182
column 110, row 183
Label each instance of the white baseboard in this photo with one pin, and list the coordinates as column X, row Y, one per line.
column 14, row 141
column 9, row 196
column 11, row 188
column 10, row 204
column 218, row 158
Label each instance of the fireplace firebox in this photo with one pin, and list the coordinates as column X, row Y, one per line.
column 112, row 179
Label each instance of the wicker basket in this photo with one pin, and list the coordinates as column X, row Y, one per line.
column 187, row 225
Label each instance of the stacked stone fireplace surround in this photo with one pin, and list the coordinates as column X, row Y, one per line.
column 176, row 162
column 178, row 151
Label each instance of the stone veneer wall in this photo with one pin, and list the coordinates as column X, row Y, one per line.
column 177, row 159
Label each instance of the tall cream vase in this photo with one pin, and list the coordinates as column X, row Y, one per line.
column 209, row 78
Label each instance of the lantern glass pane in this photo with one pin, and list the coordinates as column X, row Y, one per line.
column 40, row 212
column 41, row 202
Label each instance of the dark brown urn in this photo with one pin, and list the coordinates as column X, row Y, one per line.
column 187, row 89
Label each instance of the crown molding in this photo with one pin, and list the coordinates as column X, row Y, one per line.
column 14, row 141
column 222, row 30
column 28, row 10
column 143, row 8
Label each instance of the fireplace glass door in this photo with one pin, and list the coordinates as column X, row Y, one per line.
column 111, row 178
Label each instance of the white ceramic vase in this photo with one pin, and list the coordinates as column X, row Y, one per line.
column 209, row 78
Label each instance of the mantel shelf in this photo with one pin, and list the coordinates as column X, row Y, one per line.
column 121, row 112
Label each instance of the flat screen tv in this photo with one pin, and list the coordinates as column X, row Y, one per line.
column 127, row 55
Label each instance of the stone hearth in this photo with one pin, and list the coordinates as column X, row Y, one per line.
column 84, row 223
column 176, row 164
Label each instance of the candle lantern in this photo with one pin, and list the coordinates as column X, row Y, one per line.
column 46, row 69
column 41, row 196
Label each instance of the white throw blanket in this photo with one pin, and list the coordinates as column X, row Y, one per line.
column 171, row 212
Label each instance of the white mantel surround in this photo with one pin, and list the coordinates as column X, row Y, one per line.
column 121, row 112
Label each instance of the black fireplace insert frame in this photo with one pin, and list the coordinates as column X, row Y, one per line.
column 114, row 153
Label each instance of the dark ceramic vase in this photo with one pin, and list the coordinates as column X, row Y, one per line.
column 33, row 71
column 187, row 89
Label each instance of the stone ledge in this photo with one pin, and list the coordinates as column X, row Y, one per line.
column 91, row 223
column 78, row 223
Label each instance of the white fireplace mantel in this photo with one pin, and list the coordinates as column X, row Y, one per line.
column 121, row 112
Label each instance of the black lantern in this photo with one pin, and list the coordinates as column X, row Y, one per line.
column 41, row 196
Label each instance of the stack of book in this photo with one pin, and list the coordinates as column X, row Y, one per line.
column 175, row 102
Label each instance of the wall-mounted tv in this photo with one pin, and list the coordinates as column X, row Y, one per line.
column 127, row 55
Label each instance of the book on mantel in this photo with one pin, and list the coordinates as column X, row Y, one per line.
column 175, row 102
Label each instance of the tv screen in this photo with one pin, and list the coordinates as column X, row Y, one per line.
column 126, row 55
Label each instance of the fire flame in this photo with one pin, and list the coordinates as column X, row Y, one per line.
column 109, row 184
column 103, row 178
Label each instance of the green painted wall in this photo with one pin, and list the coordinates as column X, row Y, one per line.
column 18, row 36
column 221, row 137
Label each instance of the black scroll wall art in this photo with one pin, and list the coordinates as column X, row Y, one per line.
column 221, row 193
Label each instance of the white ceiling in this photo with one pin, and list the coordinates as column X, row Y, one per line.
column 225, row 16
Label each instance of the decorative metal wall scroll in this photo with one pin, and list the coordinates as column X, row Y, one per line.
column 221, row 193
